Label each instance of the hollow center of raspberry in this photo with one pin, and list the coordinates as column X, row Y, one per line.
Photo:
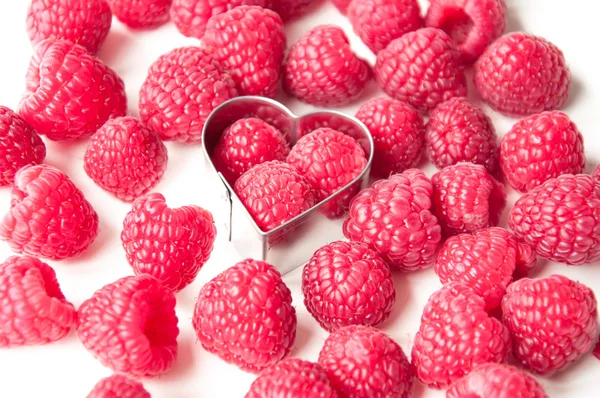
column 156, row 332
column 457, row 24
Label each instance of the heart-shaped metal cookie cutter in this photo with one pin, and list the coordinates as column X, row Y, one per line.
column 291, row 244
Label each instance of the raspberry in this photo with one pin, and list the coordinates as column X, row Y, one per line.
column 83, row 22
column 69, row 93
column 292, row 378
column 33, row 310
column 378, row 22
column 493, row 380
column 466, row 198
column 118, row 386
column 191, row 16
column 141, row 14
column 19, row 145
column 289, row 9
column 130, row 326
column 253, row 58
column 422, row 68
column 521, row 74
column 560, row 219
column 169, row 244
column 459, row 131
column 182, row 88
column 273, row 193
column 125, row 158
column 485, row 261
column 552, row 322
column 597, row 350
column 364, row 362
column 341, row 5
column 456, row 336
column 393, row 217
column 472, row 24
column 541, row 147
column 596, row 173
column 329, row 160
column 398, row 132
column 346, row 283
column 49, row 216
column 247, row 143
column 245, row 316
column 321, row 69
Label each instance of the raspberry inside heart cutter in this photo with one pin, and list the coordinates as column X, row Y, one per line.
column 291, row 244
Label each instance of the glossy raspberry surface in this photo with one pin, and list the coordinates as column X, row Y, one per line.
column 130, row 326
column 69, row 93
column 459, row 131
column 541, row 147
column 118, row 386
column 552, row 321
column 364, row 362
column 393, row 217
column 472, row 24
column 422, row 68
column 378, row 22
column 171, row 244
column 321, row 68
column 141, row 14
column 84, row 22
column 182, row 87
column 466, row 198
column 560, row 219
column 521, row 74
column 49, row 216
column 290, row 9
column 245, row 316
column 346, row 283
column 33, row 309
column 20, row 145
column 125, row 158
column 398, row 133
column 456, row 335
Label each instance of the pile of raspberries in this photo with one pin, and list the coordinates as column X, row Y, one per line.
column 487, row 313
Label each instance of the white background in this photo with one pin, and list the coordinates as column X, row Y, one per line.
column 66, row 369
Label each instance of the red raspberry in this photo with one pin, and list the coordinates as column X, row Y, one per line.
column 364, row 362
column 393, row 218
column 84, row 22
column 398, row 131
column 472, row 24
column 597, row 350
column 289, row 9
column 456, row 336
column 521, row 74
column 493, row 380
column 19, row 145
column 125, row 158
column 191, row 16
column 33, row 310
column 49, row 216
column 247, row 143
column 552, row 322
column 459, row 131
column 169, row 244
column 70, row 94
column 466, row 198
column 182, row 88
column 485, row 261
column 130, row 326
column 422, row 68
column 245, row 316
column 560, row 219
column 346, row 283
column 596, row 173
column 378, row 22
column 341, row 5
column 141, row 14
column 292, row 378
column 254, row 58
column 118, row 386
column 321, row 69
column 329, row 160
column 539, row 148
column 273, row 193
